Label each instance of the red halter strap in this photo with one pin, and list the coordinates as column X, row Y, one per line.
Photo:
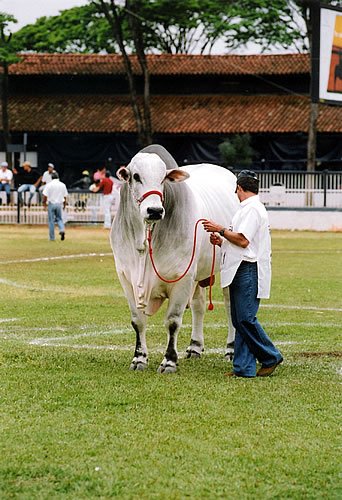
column 212, row 272
column 148, row 193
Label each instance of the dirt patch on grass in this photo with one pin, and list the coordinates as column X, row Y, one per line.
column 332, row 354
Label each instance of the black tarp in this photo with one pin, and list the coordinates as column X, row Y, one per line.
column 72, row 153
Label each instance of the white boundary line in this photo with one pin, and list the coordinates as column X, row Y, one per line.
column 289, row 307
column 54, row 289
column 58, row 257
column 65, row 341
column 8, row 320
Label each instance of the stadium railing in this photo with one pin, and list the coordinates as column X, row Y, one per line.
column 286, row 189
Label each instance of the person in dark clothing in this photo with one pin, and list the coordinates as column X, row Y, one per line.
column 28, row 179
column 83, row 183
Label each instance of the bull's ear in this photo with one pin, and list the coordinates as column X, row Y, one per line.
column 123, row 174
column 176, row 175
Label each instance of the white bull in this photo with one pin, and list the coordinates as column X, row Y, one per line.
column 154, row 196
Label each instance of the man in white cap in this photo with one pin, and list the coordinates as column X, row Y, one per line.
column 246, row 276
column 54, row 198
column 6, row 177
column 46, row 178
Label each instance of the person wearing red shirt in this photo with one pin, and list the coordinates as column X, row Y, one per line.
column 106, row 187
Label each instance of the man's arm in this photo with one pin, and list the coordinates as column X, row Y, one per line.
column 236, row 238
column 36, row 184
column 44, row 201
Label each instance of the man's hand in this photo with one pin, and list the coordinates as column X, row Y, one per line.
column 211, row 227
column 215, row 239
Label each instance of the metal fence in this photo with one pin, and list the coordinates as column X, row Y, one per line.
column 82, row 208
column 301, row 189
column 277, row 189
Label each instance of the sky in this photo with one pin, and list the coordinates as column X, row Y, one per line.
column 27, row 11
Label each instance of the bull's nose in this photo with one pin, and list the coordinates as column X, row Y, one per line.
column 155, row 213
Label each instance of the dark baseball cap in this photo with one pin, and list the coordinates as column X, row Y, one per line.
column 249, row 174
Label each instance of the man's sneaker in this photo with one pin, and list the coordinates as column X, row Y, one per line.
column 62, row 235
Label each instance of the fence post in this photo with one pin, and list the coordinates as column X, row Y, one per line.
column 18, row 211
column 308, row 187
column 325, row 173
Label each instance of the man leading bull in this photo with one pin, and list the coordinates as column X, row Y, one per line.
column 246, row 273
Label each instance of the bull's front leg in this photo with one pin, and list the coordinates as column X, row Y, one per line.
column 197, row 305
column 173, row 323
column 140, row 359
column 229, row 352
column 138, row 321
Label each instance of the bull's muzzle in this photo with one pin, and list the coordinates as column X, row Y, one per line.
column 155, row 213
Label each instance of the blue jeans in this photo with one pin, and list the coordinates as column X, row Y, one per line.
column 55, row 215
column 26, row 187
column 6, row 187
column 251, row 341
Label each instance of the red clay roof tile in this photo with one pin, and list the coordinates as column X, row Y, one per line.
column 210, row 114
column 163, row 64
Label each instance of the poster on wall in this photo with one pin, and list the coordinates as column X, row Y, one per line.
column 330, row 56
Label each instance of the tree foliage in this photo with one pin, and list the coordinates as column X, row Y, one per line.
column 180, row 26
column 237, row 151
column 7, row 49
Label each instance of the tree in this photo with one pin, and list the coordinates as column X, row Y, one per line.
column 7, row 57
column 183, row 26
column 77, row 30
column 237, row 151
column 114, row 16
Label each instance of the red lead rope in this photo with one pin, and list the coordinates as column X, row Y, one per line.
column 149, row 239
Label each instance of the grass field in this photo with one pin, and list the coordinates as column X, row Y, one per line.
column 76, row 424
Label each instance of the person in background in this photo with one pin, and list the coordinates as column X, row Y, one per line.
column 99, row 174
column 46, row 178
column 54, row 199
column 106, row 187
column 6, row 177
column 246, row 270
column 28, row 180
column 83, row 183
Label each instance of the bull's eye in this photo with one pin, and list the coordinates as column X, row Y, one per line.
column 136, row 177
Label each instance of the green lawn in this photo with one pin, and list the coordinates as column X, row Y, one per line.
column 75, row 423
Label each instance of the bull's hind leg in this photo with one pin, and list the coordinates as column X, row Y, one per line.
column 197, row 304
column 229, row 352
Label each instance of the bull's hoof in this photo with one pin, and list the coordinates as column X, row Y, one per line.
column 138, row 364
column 191, row 354
column 167, row 367
column 229, row 354
column 194, row 350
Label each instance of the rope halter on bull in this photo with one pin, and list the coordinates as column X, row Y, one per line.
column 211, row 280
column 149, row 239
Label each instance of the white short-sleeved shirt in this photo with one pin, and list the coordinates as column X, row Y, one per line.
column 6, row 176
column 46, row 177
column 252, row 221
column 55, row 191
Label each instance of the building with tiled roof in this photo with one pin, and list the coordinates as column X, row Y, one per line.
column 76, row 109
column 162, row 64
